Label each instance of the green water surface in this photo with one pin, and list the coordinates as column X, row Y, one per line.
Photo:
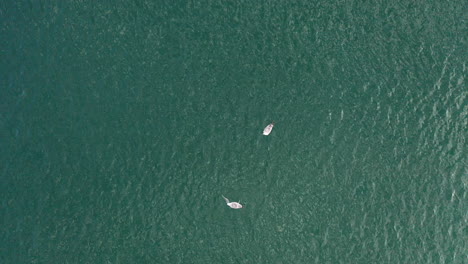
column 123, row 122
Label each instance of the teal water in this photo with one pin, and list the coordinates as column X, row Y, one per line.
column 122, row 124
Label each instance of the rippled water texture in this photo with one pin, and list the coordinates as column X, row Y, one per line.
column 123, row 124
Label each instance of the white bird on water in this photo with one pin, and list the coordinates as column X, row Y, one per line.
column 268, row 129
column 233, row 205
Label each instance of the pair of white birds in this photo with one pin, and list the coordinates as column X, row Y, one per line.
column 237, row 205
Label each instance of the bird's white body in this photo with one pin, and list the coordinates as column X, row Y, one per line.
column 268, row 129
column 233, row 205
